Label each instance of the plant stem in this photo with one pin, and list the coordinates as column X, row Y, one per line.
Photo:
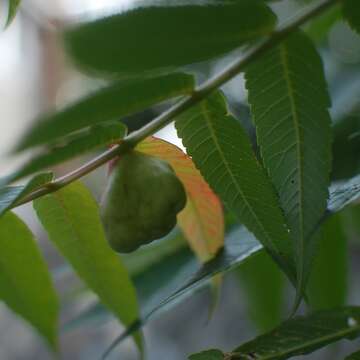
column 184, row 104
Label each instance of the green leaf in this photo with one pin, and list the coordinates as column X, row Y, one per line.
column 71, row 218
column 164, row 37
column 10, row 195
column 96, row 137
column 289, row 103
column 213, row 137
column 25, row 284
column 108, row 104
column 351, row 11
column 13, row 7
column 208, row 355
column 240, row 245
column 354, row 356
column 328, row 281
column 302, row 335
column 154, row 283
column 263, row 286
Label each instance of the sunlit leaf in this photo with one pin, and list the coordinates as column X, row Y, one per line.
column 221, row 150
column 289, row 103
column 25, row 284
column 89, row 140
column 108, row 104
column 152, row 39
column 71, row 218
column 9, row 195
column 302, row 335
column 202, row 220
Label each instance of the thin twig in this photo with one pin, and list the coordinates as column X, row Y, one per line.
column 184, row 104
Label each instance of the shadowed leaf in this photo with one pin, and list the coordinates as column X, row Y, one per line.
column 289, row 104
column 108, row 104
column 351, row 11
column 164, row 37
column 328, row 281
column 221, row 150
column 75, row 145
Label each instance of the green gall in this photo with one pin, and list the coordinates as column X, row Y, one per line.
column 141, row 201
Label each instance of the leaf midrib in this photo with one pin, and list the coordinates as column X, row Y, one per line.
column 299, row 144
column 228, row 168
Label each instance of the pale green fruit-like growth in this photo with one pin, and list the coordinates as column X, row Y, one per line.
column 141, row 201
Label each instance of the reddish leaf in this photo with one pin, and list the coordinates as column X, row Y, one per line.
column 202, row 219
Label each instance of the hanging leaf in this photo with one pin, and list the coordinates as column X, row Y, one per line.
column 301, row 335
column 202, row 220
column 351, row 11
column 13, row 7
column 10, row 195
column 153, row 39
column 328, row 281
column 71, row 218
column 289, row 103
column 25, row 284
column 222, row 152
column 75, row 145
column 108, row 104
column 258, row 278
